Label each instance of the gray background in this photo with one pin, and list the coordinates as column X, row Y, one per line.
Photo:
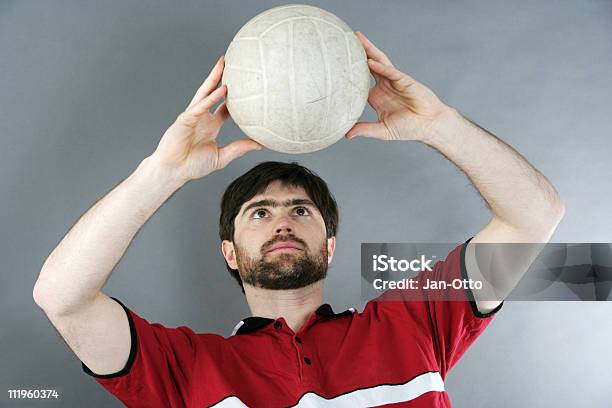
column 88, row 88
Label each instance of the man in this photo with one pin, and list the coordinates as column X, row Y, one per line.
column 278, row 227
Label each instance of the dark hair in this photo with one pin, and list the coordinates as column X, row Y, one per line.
column 257, row 179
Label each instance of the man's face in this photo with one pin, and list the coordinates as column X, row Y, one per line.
column 279, row 240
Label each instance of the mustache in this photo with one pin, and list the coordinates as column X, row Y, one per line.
column 265, row 247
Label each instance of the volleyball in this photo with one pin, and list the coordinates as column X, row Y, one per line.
column 297, row 78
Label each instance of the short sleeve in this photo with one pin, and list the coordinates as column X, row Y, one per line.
column 449, row 313
column 159, row 365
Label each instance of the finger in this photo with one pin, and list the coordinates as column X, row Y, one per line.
column 236, row 149
column 192, row 116
column 372, row 51
column 221, row 113
column 209, row 83
column 377, row 77
column 376, row 130
column 390, row 73
column 205, row 104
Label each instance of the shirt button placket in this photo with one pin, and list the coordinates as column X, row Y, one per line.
column 304, row 361
column 298, row 346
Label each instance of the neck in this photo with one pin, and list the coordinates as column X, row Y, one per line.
column 294, row 305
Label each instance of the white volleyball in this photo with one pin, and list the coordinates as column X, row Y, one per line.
column 297, row 78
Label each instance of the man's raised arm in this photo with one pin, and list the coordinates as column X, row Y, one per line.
column 525, row 207
column 69, row 286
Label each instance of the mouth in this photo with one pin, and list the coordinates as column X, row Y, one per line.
column 284, row 247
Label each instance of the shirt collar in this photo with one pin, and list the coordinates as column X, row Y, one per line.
column 253, row 323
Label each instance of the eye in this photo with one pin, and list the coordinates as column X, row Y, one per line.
column 302, row 211
column 259, row 213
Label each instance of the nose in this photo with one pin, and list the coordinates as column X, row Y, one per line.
column 283, row 227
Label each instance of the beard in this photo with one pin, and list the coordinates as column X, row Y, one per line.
column 284, row 270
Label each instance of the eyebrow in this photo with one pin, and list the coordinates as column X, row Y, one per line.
column 273, row 203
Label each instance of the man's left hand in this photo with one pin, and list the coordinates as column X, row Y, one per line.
column 406, row 108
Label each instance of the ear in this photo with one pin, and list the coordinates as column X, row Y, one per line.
column 331, row 247
column 227, row 248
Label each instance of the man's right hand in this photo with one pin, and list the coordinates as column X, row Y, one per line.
column 188, row 148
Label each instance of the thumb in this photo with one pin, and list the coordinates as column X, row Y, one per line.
column 375, row 130
column 236, row 149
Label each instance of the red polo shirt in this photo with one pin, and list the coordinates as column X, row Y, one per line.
column 394, row 352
